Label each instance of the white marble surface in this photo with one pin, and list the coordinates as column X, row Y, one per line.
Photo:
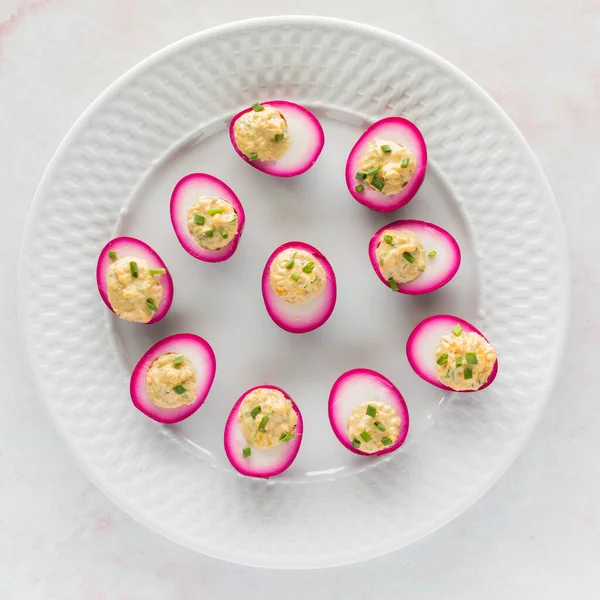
column 535, row 535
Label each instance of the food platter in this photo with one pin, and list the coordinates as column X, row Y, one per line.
column 114, row 175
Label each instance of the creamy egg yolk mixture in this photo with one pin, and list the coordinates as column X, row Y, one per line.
column 373, row 426
column 262, row 133
column 212, row 222
column 386, row 167
column 400, row 256
column 134, row 290
column 171, row 381
column 464, row 360
column 297, row 276
column 267, row 418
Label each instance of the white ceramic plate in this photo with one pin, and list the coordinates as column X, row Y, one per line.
column 113, row 175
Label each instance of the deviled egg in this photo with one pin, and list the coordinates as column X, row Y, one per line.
column 299, row 287
column 386, row 166
column 277, row 137
column 207, row 217
column 133, row 281
column 414, row 257
column 171, row 381
column 367, row 413
column 451, row 354
column 263, row 432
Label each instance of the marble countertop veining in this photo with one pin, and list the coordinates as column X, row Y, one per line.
column 535, row 535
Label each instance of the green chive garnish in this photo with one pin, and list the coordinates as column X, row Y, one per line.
column 294, row 276
column 112, row 255
column 289, row 264
column 386, row 148
column 405, row 162
column 157, row 271
column 209, row 233
column 459, row 361
column 442, row 360
column 224, row 234
column 379, row 426
column 361, row 175
column 471, row 358
column 179, row 389
column 214, row 211
column 355, row 443
column 253, row 156
column 386, row 441
column 278, row 137
column 308, row 267
column 409, row 257
column 263, row 423
column 373, row 171
column 246, row 452
column 468, row 372
column 257, row 107
column 178, row 360
column 151, row 304
column 457, row 329
column 371, row 411
column 365, row 436
column 286, row 437
column 388, row 239
column 432, row 254
column 393, row 284
column 133, row 268
column 377, row 183
column 199, row 219
column 360, row 187
column 255, row 411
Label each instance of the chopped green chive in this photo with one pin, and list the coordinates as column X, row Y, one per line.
column 471, row 358
column 214, row 211
column 308, row 267
column 365, row 436
column 224, row 234
column 360, row 187
column 157, row 271
column 151, row 304
column 133, row 268
column 386, row 441
column 209, row 233
column 253, row 156
column 263, row 423
column 388, row 239
column 290, row 263
column 361, row 175
column 457, row 329
column 386, row 148
column 379, row 426
column 371, row 411
column 257, row 107
column 246, row 452
column 459, row 361
column 255, row 411
column 286, row 437
column 393, row 284
column 373, row 171
column 377, row 183
column 409, row 257
column 405, row 163
column 294, row 276
column 442, row 360
column 112, row 255
column 432, row 254
column 199, row 219
column 355, row 443
column 278, row 137
column 179, row 389
column 468, row 372
column 178, row 360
